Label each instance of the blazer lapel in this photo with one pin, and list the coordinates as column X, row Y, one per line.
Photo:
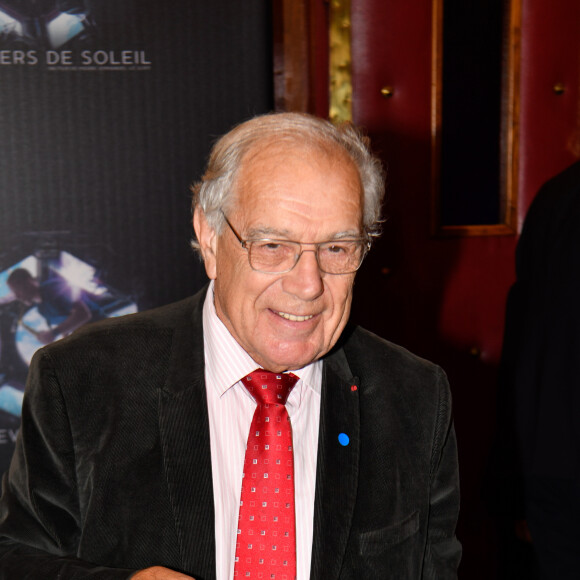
column 184, row 431
column 337, row 467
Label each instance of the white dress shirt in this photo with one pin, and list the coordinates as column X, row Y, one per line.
column 231, row 409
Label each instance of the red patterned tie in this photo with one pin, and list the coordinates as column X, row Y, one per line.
column 266, row 541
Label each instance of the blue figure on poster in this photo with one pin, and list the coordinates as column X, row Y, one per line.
column 43, row 298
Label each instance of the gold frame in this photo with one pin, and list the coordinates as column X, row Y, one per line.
column 340, row 61
column 509, row 128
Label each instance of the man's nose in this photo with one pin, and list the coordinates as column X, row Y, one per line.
column 305, row 279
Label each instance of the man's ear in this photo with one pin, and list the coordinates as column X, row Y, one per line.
column 207, row 238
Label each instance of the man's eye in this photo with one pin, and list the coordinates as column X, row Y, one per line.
column 336, row 249
column 270, row 247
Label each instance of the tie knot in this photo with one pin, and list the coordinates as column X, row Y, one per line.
column 269, row 388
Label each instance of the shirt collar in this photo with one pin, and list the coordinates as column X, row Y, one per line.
column 226, row 362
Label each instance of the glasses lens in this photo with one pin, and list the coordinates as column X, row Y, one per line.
column 340, row 257
column 273, row 255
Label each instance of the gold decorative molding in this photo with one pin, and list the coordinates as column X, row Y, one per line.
column 340, row 60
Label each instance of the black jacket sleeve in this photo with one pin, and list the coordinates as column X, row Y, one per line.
column 40, row 515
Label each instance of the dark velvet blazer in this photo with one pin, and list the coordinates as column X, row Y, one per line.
column 112, row 470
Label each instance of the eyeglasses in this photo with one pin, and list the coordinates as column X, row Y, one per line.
column 271, row 256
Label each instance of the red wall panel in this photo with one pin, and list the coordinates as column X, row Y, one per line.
column 549, row 122
column 444, row 298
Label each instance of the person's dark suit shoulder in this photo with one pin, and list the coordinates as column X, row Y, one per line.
column 385, row 360
column 158, row 319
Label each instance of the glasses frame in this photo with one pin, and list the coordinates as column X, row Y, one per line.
column 247, row 245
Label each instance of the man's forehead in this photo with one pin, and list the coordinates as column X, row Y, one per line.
column 292, row 146
column 279, row 180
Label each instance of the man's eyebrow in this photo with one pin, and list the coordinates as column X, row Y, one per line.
column 347, row 235
column 266, row 232
column 284, row 234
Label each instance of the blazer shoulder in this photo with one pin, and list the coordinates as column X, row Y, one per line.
column 362, row 343
column 376, row 360
column 150, row 325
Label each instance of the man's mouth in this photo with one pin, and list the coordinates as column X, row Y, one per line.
column 294, row 317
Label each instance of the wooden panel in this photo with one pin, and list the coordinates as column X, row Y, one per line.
column 300, row 38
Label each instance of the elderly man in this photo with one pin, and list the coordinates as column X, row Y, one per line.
column 246, row 432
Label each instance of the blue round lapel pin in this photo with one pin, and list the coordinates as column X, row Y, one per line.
column 343, row 439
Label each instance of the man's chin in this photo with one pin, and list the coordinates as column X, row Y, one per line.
column 278, row 363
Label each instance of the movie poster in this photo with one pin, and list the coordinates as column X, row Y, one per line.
column 107, row 113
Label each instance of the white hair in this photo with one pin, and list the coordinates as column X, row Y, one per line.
column 214, row 192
